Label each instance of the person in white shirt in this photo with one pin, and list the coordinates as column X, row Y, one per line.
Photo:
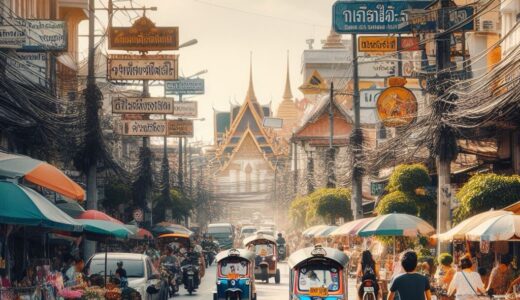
column 466, row 284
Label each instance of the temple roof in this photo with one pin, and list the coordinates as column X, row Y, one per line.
column 287, row 109
column 333, row 41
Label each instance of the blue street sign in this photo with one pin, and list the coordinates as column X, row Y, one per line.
column 380, row 17
column 184, row 86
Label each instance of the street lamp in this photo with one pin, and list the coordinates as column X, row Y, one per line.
column 188, row 43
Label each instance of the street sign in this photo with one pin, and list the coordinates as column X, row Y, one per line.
column 377, row 44
column 409, row 43
column 122, row 105
column 395, row 17
column 143, row 36
column 144, row 128
column 134, row 117
column 184, row 86
column 142, row 67
column 273, row 122
column 33, row 35
column 186, row 109
column 377, row 67
column 32, row 65
column 180, row 128
column 368, row 98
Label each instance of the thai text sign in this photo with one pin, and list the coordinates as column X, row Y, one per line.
column 374, row 17
column 144, row 36
column 123, row 105
column 187, row 109
column 144, row 128
column 368, row 98
column 142, row 67
column 180, row 128
column 377, row 66
column 459, row 18
column 409, row 43
column 33, row 35
column 377, row 44
column 31, row 65
column 184, row 87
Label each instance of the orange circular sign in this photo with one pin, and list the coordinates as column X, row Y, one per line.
column 396, row 106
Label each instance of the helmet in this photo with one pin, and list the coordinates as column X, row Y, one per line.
column 120, row 263
column 279, row 234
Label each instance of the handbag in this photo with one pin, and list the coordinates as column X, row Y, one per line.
column 477, row 295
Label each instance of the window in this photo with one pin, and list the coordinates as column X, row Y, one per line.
column 264, row 250
column 134, row 268
column 234, row 266
column 318, row 276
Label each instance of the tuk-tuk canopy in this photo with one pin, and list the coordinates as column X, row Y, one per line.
column 259, row 237
column 306, row 254
column 242, row 253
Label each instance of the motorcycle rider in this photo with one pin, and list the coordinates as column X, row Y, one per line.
column 282, row 249
column 280, row 240
column 209, row 249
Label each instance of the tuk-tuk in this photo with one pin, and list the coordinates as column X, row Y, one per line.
column 180, row 240
column 235, row 279
column 318, row 273
column 266, row 263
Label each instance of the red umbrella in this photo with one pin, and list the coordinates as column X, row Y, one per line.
column 145, row 234
column 97, row 215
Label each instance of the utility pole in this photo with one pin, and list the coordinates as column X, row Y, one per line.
column 331, row 178
column 356, row 140
column 310, row 172
column 443, row 159
column 180, row 173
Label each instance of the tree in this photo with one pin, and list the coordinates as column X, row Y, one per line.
column 144, row 178
column 408, row 193
column 179, row 204
column 486, row 191
column 298, row 211
column 332, row 203
column 117, row 192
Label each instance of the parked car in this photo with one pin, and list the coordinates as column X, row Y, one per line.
column 224, row 233
column 139, row 270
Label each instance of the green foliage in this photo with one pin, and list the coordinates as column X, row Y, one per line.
column 397, row 202
column 445, row 259
column 408, row 178
column 144, row 173
column 323, row 204
column 117, row 192
column 486, row 191
column 179, row 203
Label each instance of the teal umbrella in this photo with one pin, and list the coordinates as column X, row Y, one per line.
column 105, row 228
column 20, row 205
column 396, row 225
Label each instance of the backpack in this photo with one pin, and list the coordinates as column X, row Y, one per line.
column 369, row 273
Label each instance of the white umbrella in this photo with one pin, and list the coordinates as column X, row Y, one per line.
column 459, row 232
column 501, row 228
column 309, row 232
column 350, row 228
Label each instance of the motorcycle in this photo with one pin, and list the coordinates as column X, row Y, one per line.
column 170, row 275
column 282, row 252
column 209, row 257
column 190, row 274
column 368, row 289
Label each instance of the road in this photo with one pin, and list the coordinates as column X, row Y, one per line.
column 269, row 291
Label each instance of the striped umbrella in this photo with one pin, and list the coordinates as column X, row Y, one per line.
column 39, row 173
column 350, row 228
column 396, row 225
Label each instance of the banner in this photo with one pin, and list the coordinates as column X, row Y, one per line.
column 142, row 67
column 139, row 105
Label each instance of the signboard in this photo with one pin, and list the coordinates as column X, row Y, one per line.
column 397, row 105
column 180, row 128
column 409, row 43
column 33, row 35
column 142, row 67
column 377, row 44
column 273, row 122
column 144, row 128
column 134, row 117
column 368, row 98
column 375, row 66
column 411, row 63
column 186, row 109
column 122, row 105
column 395, row 17
column 143, row 36
column 32, row 67
column 184, row 87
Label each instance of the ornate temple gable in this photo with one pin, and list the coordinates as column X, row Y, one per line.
column 248, row 148
column 315, row 84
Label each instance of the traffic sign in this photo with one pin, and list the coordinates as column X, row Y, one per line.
column 184, row 87
column 377, row 43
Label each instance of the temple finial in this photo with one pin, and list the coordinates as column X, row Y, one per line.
column 251, row 90
column 287, row 95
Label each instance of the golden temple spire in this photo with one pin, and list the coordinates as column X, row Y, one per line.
column 251, row 90
column 287, row 95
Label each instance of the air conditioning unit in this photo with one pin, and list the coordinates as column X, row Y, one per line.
column 487, row 25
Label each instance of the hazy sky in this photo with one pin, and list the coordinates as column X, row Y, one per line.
column 227, row 31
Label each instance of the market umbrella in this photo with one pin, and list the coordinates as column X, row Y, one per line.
column 70, row 207
column 97, row 215
column 142, row 234
column 309, row 232
column 459, row 232
column 167, row 227
column 324, row 232
column 39, row 173
column 20, row 205
column 500, row 228
column 396, row 225
column 350, row 228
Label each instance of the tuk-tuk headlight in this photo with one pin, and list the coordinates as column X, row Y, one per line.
column 248, row 282
column 218, row 282
column 274, row 258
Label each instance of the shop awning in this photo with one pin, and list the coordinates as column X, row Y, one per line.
column 105, row 228
column 20, row 205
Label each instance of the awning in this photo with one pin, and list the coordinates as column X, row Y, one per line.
column 105, row 228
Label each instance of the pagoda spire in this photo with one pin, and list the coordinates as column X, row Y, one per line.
column 251, row 89
column 287, row 95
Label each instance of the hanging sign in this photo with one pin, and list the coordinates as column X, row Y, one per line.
column 180, row 128
column 368, row 98
column 144, row 128
column 122, row 105
column 32, row 66
column 426, row 20
column 396, row 105
column 184, row 86
column 142, row 67
column 376, row 66
column 143, row 36
column 409, row 43
column 377, row 44
column 33, row 35
column 185, row 109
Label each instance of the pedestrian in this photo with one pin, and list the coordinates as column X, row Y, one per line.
column 410, row 285
column 368, row 271
column 466, row 284
column 501, row 277
column 121, row 275
column 445, row 272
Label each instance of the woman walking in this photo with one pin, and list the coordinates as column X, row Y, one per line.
column 466, row 284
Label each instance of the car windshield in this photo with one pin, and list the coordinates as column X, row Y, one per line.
column 264, row 249
column 134, row 268
column 234, row 266
column 248, row 230
column 318, row 276
column 219, row 230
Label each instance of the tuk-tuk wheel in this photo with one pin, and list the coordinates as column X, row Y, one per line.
column 277, row 277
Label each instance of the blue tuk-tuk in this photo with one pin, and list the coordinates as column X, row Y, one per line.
column 318, row 273
column 235, row 275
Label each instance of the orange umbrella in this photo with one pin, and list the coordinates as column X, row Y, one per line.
column 39, row 173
